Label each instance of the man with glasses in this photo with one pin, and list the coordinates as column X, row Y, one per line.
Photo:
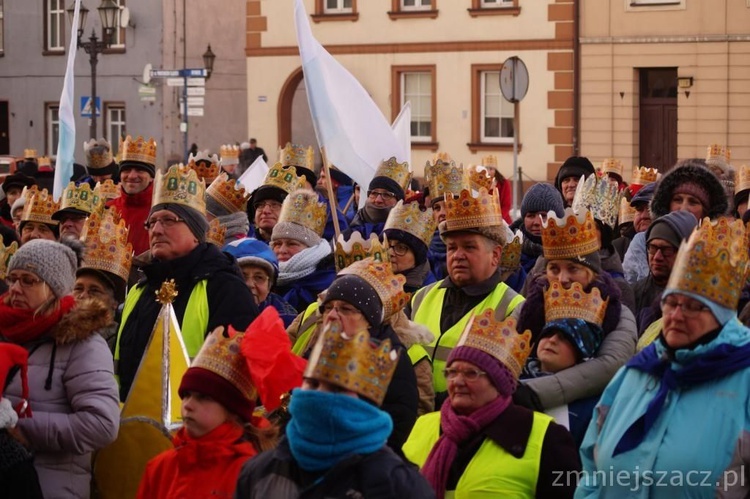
column 266, row 200
column 77, row 203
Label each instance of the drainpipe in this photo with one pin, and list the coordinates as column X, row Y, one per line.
column 576, row 77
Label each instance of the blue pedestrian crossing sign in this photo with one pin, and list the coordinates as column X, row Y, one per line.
column 86, row 106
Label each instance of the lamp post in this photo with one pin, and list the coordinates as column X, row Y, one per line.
column 208, row 66
column 208, row 61
column 108, row 11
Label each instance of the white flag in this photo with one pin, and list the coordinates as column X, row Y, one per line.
column 253, row 177
column 402, row 130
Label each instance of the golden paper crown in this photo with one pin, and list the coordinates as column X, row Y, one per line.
column 44, row 161
column 216, row 233
column 357, row 248
column 5, row 253
column 205, row 165
column 468, row 212
column 180, row 185
column 643, row 175
column 442, row 157
column 743, row 179
column 229, row 193
column 284, row 178
column 713, row 263
column 573, row 236
column 221, row 355
column 612, row 165
column 230, row 154
column 561, row 303
column 410, row 219
column 29, row 153
column 627, row 212
column 510, row 258
column 499, row 339
column 718, row 153
column 480, row 179
column 355, row 363
column 303, row 208
column 388, row 286
column 105, row 236
column 490, row 161
column 398, row 172
column 296, row 155
column 445, row 177
column 104, row 191
column 98, row 153
column 39, row 206
column 78, row 197
column 600, row 196
column 138, row 150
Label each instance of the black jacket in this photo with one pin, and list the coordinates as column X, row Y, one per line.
column 229, row 301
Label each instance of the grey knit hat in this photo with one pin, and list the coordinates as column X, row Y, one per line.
column 52, row 262
column 542, row 197
column 291, row 230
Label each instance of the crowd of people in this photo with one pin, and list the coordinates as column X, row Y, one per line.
column 417, row 342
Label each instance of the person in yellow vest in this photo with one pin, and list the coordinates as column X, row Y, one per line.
column 211, row 289
column 474, row 234
column 481, row 444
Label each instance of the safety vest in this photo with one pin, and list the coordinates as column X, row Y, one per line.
column 427, row 307
column 650, row 334
column 194, row 325
column 492, row 472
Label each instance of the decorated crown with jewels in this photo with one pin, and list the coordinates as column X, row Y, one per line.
column 510, row 258
column 180, row 185
column 216, row 233
column 221, row 355
column 5, row 253
column 39, row 206
column 303, row 208
column 627, row 212
column 229, row 193
column 104, row 191
column 139, row 149
column 743, row 179
column 297, row 155
column 105, row 236
column 498, row 338
column 479, row 178
column 398, row 172
column 573, row 236
column 29, row 153
column 230, row 154
column 79, row 197
column 643, row 175
column 561, row 303
column 445, row 176
column 44, row 161
column 490, row 161
column 471, row 212
column 205, row 165
column 613, row 166
column 600, row 196
column 410, row 219
column 284, row 178
column 357, row 248
column 98, row 153
column 388, row 286
column 717, row 153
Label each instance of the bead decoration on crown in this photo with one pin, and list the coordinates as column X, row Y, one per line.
column 409, row 218
column 138, row 150
column 388, row 286
column 229, row 193
column 561, row 303
column 216, row 233
column 743, row 179
column 105, row 236
column 79, row 197
column 467, row 211
column 285, row 178
column 444, row 176
column 643, row 175
column 5, row 253
column 180, row 185
column 398, row 172
column 221, row 355
column 357, row 248
column 297, row 155
column 205, row 165
column 599, row 195
column 573, row 236
column 39, row 206
column 302, row 207
column 510, row 258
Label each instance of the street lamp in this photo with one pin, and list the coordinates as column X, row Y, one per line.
column 208, row 61
column 108, row 11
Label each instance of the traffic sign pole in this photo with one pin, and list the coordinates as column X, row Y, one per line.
column 514, row 83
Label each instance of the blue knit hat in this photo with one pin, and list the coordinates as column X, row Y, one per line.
column 249, row 250
column 542, row 197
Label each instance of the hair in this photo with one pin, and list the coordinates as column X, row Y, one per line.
column 589, row 271
column 489, row 244
column 262, row 439
column 50, row 306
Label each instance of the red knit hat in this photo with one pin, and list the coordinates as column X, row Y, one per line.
column 12, row 355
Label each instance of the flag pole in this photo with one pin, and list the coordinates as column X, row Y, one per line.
column 331, row 198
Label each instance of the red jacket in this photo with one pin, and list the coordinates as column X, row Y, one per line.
column 505, row 194
column 198, row 467
column 134, row 210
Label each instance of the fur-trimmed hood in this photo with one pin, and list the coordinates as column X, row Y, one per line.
column 85, row 319
column 695, row 172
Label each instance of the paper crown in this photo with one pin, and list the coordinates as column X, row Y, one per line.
column 5, row 253
column 561, row 303
column 357, row 248
column 388, row 286
column 573, row 236
column 643, row 175
column 29, row 153
column 229, row 193
column 713, row 263
column 105, row 236
column 216, row 233
column 221, row 355
column 230, row 154
column 78, row 197
column 44, row 161
column 143, row 151
column 296, row 155
column 284, row 178
column 600, row 196
column 627, row 212
column 490, row 161
column 469, row 212
column 303, row 208
column 355, row 363
column 479, row 178
column 445, row 176
column 743, row 179
column 718, row 154
column 409, row 218
column 441, row 156
column 510, row 258
column 104, row 191
column 499, row 339
column 98, row 153
column 39, row 206
column 180, row 185
column 613, row 166
column 205, row 165
column 398, row 172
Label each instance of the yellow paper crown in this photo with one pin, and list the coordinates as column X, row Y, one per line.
column 284, row 178
column 205, row 165
column 5, row 253
column 221, row 355
column 98, row 153
column 442, row 157
column 302, row 208
column 180, row 185
column 510, row 258
column 480, row 178
column 388, row 286
column 229, row 193
column 468, row 212
column 717, row 153
column 627, row 212
column 713, row 263
column 445, row 177
column 499, row 339
column 216, row 233
column 398, row 172
column 29, row 153
column 105, row 236
column 410, row 219
column 355, row 363
column 357, row 248
column 573, row 236
column 79, row 197
column 104, row 191
column 139, row 149
column 297, row 155
column 643, row 175
column 561, row 303
column 743, row 179
column 230, row 154
column 44, row 161
column 613, row 166
column 39, row 206
column 490, row 161
column 600, row 196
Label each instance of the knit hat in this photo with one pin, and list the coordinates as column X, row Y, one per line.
column 302, row 218
column 250, row 251
column 195, row 220
column 542, row 197
column 673, row 227
column 12, row 357
column 690, row 177
column 497, row 373
column 418, row 247
column 644, row 195
column 340, row 177
column 17, row 180
column 53, row 262
column 357, row 292
column 574, row 166
column 387, row 184
column 265, row 192
column 584, row 336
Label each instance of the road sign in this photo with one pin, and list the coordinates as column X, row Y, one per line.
column 196, row 91
column 174, row 73
column 196, row 101
column 147, row 93
column 175, row 82
column 195, row 111
column 196, row 82
column 86, row 106
column 514, row 79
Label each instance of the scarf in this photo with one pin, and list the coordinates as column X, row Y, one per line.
column 457, row 429
column 237, row 225
column 20, row 325
column 328, row 427
column 375, row 215
column 717, row 363
column 303, row 263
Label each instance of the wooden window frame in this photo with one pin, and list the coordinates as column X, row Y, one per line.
column 478, row 9
column 48, row 107
column 321, row 15
column 57, row 50
column 398, row 12
column 476, row 143
column 396, row 98
column 108, row 106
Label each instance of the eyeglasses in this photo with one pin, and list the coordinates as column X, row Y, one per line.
column 387, row 196
column 25, row 280
column 400, row 249
column 166, row 222
column 274, row 205
column 666, row 251
column 690, row 309
column 259, row 279
column 343, row 310
column 468, row 374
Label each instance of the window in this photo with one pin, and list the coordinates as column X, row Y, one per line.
column 654, row 2
column 2, row 26
column 54, row 26
column 640, row 5
column 51, row 128
column 115, row 126
column 338, row 7
column 497, row 113
column 494, row 8
column 496, row 3
column 335, row 10
column 416, row 84
column 118, row 37
column 416, row 4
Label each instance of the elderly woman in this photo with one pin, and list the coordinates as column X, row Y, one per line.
column 409, row 232
column 675, row 419
column 481, row 443
column 72, row 390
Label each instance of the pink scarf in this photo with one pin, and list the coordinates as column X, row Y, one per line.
column 456, row 430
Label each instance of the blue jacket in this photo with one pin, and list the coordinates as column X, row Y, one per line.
column 698, row 445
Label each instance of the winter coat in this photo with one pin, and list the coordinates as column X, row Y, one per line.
column 635, row 263
column 380, row 475
column 73, row 398
column 198, row 467
column 229, row 301
column 134, row 209
column 646, row 293
column 18, row 477
column 437, row 257
column 302, row 292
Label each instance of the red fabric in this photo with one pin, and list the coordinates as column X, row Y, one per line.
column 134, row 209
column 10, row 356
column 505, row 194
column 198, row 467
column 20, row 325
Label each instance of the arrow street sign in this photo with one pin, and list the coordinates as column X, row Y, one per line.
column 196, row 82
column 175, row 82
column 196, row 91
column 174, row 73
column 195, row 111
